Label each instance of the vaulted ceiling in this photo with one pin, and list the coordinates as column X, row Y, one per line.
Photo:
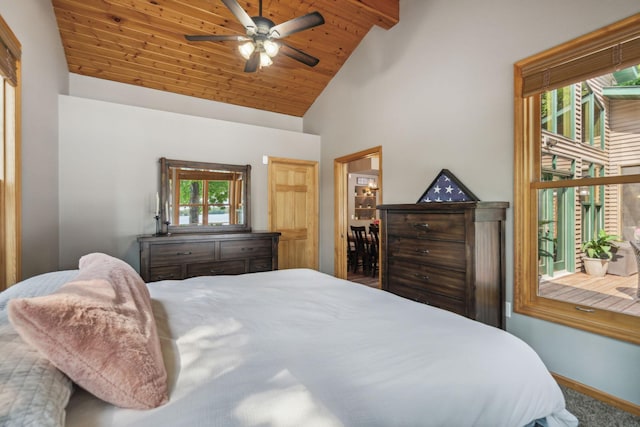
column 141, row 42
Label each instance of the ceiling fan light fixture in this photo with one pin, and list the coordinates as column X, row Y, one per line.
column 246, row 49
column 261, row 42
column 265, row 60
column 271, row 48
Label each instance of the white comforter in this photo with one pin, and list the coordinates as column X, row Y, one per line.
column 300, row 348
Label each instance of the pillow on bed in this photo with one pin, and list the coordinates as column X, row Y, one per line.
column 33, row 392
column 99, row 330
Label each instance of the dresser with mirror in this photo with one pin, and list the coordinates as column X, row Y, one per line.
column 204, row 224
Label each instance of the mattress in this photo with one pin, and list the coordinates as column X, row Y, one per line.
column 302, row 348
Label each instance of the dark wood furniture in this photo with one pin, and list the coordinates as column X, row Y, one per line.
column 361, row 248
column 449, row 255
column 374, row 248
column 180, row 256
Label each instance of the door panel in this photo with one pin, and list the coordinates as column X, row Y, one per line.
column 293, row 211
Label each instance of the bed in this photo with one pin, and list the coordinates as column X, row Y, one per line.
column 302, row 348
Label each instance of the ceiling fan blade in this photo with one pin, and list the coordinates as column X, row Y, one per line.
column 216, row 38
column 251, row 65
column 240, row 14
column 295, row 25
column 298, row 55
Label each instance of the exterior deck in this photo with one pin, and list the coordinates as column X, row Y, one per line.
column 611, row 292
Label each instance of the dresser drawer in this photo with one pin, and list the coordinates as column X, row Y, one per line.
column 187, row 255
column 434, row 252
column 174, row 253
column 215, row 268
column 449, row 283
column 165, row 272
column 233, row 249
column 260, row 264
column 429, row 298
column 427, row 226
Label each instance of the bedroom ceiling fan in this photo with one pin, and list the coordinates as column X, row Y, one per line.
column 264, row 38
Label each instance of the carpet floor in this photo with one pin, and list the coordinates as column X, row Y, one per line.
column 594, row 413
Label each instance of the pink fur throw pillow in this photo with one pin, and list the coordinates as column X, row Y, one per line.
column 99, row 330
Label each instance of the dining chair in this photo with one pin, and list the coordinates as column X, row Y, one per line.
column 352, row 259
column 362, row 248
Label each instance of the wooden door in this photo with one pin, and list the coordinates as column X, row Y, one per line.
column 293, row 211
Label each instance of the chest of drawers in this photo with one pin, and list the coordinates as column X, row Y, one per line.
column 181, row 256
column 449, row 255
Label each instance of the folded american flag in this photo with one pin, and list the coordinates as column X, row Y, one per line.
column 447, row 188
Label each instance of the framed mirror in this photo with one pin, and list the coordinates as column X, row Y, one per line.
column 199, row 197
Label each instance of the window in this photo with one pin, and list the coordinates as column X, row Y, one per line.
column 558, row 111
column 575, row 170
column 9, row 157
column 592, row 118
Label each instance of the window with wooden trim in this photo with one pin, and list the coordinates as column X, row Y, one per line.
column 577, row 151
column 9, row 157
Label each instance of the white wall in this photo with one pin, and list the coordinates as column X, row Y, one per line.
column 106, row 90
column 436, row 91
column 44, row 76
column 109, row 168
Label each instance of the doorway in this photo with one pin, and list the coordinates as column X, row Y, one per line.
column 357, row 192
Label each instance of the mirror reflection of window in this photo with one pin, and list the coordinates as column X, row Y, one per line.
column 205, row 197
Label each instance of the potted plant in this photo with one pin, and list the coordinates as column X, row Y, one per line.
column 598, row 253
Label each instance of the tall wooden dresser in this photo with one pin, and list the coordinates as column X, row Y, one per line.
column 180, row 256
column 449, row 255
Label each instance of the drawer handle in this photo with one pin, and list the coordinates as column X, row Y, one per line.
column 422, row 251
column 168, row 276
column 216, row 271
column 421, row 276
column 586, row 310
column 424, row 226
column 248, row 249
column 183, row 253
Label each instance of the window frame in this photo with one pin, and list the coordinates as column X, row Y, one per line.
column 594, row 105
column 556, row 115
column 10, row 158
column 533, row 72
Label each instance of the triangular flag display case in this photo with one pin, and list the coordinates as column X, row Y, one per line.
column 447, row 188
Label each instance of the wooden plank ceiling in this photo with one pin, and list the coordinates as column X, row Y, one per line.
column 141, row 42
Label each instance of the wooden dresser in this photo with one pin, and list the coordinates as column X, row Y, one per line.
column 180, row 256
column 449, row 255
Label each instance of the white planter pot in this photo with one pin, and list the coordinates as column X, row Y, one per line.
column 595, row 266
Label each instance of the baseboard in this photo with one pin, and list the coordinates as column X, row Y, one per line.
column 597, row 394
